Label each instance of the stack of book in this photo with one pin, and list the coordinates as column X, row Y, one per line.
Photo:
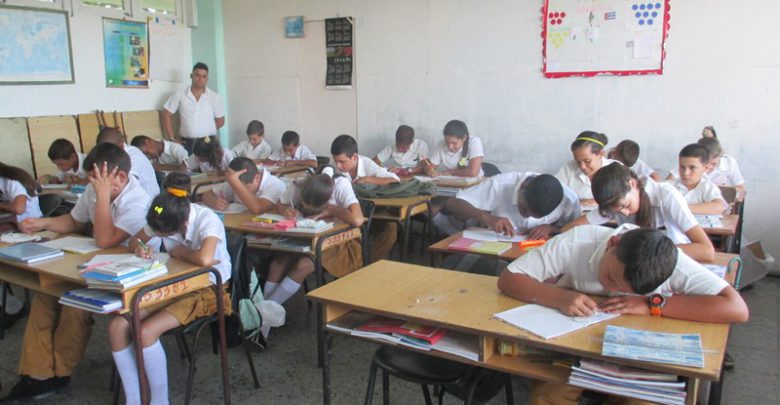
column 122, row 273
column 29, row 253
column 628, row 381
column 92, row 300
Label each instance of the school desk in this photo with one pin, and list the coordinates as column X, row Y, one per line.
column 466, row 303
column 726, row 232
column 401, row 210
column 201, row 180
column 287, row 170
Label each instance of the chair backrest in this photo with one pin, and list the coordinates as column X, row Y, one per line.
column 322, row 160
column 490, row 169
column 729, row 193
column 239, row 272
column 368, row 207
column 49, row 203
column 42, row 132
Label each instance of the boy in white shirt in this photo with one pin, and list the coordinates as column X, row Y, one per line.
column 640, row 268
column 69, row 162
column 166, row 155
column 141, row 168
column 360, row 169
column 723, row 169
column 627, row 152
column 702, row 195
column 258, row 190
column 255, row 147
column 405, row 155
column 293, row 153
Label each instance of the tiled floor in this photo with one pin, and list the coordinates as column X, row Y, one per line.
column 288, row 372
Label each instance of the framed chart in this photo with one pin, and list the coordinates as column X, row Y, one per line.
column 126, row 53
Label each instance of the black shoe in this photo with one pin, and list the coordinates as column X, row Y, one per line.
column 31, row 389
column 10, row 319
column 728, row 362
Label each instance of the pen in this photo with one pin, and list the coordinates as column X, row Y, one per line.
column 143, row 245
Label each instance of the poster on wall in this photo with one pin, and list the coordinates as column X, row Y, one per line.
column 126, row 53
column 596, row 37
column 338, row 41
column 35, row 46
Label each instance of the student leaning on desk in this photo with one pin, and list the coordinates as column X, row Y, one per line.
column 642, row 271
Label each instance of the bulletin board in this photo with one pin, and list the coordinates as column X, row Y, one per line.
column 595, row 37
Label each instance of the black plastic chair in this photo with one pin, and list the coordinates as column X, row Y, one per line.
column 322, row 161
column 490, row 169
column 368, row 207
column 49, row 203
column 470, row 383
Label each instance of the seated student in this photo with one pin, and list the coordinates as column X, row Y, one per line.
column 405, row 155
column 141, row 168
column 209, row 157
column 56, row 336
column 702, row 195
column 588, row 152
column 631, row 265
column 166, row 155
column 627, row 153
column 293, row 153
column 191, row 233
column 321, row 196
column 258, row 190
column 358, row 168
column 723, row 169
column 623, row 197
column 255, row 147
column 458, row 154
column 17, row 193
column 529, row 203
column 63, row 154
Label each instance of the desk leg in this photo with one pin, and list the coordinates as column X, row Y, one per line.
column 218, row 291
column 326, row 345
column 320, row 309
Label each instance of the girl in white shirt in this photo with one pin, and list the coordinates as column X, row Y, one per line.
column 17, row 193
column 209, row 157
column 588, row 152
column 458, row 154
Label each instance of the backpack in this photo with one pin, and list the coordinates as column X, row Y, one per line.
column 409, row 188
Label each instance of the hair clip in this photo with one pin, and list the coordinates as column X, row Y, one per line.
column 158, row 209
column 463, row 161
column 176, row 192
column 207, row 140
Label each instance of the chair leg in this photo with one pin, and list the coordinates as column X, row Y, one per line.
column 440, row 394
column 385, row 388
column 370, row 387
column 426, row 394
column 193, row 359
column 183, row 354
column 2, row 310
column 510, row 394
column 306, row 292
column 251, row 362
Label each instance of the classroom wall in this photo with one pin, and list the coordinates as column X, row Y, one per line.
column 423, row 62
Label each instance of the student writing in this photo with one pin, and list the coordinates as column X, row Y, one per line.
column 359, row 168
column 255, row 146
column 166, row 155
column 405, row 155
column 63, row 154
column 209, row 157
column 458, row 154
column 293, row 153
column 258, row 190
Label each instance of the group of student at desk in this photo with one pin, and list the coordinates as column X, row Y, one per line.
column 631, row 262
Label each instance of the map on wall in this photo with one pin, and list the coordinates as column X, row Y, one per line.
column 592, row 37
column 34, row 46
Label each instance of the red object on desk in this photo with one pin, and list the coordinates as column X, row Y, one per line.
column 532, row 243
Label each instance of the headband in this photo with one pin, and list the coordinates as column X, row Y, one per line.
column 585, row 138
column 177, row 192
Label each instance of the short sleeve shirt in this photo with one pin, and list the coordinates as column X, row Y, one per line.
column 727, row 173
column 173, row 154
column 128, row 210
column 197, row 116
column 704, row 192
column 79, row 172
column 642, row 169
column 448, row 160
column 142, row 170
column 366, row 167
column 570, row 175
column 10, row 189
column 391, row 157
column 271, row 189
column 260, row 152
column 302, row 153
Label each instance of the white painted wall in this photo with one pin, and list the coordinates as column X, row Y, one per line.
column 423, row 62
column 89, row 92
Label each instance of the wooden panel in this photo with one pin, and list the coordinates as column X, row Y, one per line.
column 43, row 131
column 16, row 151
column 89, row 127
column 142, row 123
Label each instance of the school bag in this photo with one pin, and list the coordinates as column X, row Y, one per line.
column 409, row 188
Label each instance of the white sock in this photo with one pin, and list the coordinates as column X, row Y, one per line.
column 128, row 372
column 12, row 304
column 287, row 288
column 156, row 368
column 269, row 288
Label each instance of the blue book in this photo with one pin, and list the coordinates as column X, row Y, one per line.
column 29, row 253
column 92, row 300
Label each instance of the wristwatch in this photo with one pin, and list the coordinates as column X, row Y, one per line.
column 656, row 302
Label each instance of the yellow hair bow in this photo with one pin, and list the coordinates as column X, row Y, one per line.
column 176, row 192
column 158, row 209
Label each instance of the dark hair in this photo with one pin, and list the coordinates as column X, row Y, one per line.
column 628, row 151
column 20, row 175
column 611, row 183
column 168, row 212
column 241, row 163
column 404, row 135
column 290, row 138
column 712, row 145
column 61, row 149
column 712, row 130
column 695, row 150
column 255, row 127
column 459, row 130
column 208, row 147
column 200, row 65
column 110, row 135
column 596, row 141
column 344, row 144
column 649, row 258
column 109, row 154
column 543, row 194
column 139, row 140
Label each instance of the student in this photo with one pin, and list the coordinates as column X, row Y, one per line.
column 631, row 265
column 191, row 233
column 209, row 157
column 529, row 203
column 627, row 153
column 17, row 193
column 258, row 190
column 588, row 152
column 360, row 169
column 166, row 155
column 623, row 197
column 293, row 153
column 320, row 196
column 255, row 147
column 458, row 154
column 405, row 155
column 56, row 336
column 702, row 195
column 709, row 132
column 63, row 154
column 723, row 169
column 141, row 168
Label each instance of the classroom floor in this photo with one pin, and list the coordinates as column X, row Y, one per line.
column 288, row 372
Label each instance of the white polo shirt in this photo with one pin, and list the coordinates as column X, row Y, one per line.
column 10, row 189
column 448, row 160
column 302, row 153
column 143, row 170
column 704, row 192
column 366, row 167
column 669, row 210
column 642, row 169
column 128, row 210
column 79, row 172
column 727, row 173
column 271, row 189
column 391, row 157
column 570, row 175
column 576, row 255
column 498, row 194
column 206, row 167
column 343, row 194
column 173, row 154
column 259, row 152
column 197, row 116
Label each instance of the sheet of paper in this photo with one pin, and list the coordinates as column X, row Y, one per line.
column 547, row 322
column 709, row 221
column 73, row 244
column 644, row 44
column 488, row 235
column 160, row 257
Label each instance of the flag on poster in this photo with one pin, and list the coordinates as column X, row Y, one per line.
column 338, row 40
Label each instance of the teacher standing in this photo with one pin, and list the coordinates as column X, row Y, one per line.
column 200, row 109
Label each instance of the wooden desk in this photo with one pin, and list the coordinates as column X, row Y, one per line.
column 401, row 210
column 726, row 232
column 441, row 248
column 466, row 303
column 203, row 180
column 281, row 171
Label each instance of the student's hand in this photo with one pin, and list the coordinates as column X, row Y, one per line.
column 432, row 173
column 395, row 170
column 328, row 212
column 542, row 232
column 178, row 252
column 290, row 213
column 588, row 202
column 221, row 204
column 144, row 253
column 232, row 176
column 32, row 225
column 500, row 225
column 626, row 305
column 102, row 180
column 573, row 303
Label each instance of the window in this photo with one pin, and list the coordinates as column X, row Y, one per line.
column 159, row 6
column 114, row 4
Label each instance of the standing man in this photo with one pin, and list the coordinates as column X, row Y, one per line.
column 200, row 109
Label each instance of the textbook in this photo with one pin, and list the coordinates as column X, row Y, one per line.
column 403, row 329
column 477, row 246
column 98, row 301
column 655, row 347
column 105, row 282
column 548, row 323
column 29, row 253
column 628, row 381
column 73, row 244
column 122, row 265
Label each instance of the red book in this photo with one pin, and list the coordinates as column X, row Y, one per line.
column 430, row 334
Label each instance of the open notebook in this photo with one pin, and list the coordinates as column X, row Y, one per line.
column 548, row 323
